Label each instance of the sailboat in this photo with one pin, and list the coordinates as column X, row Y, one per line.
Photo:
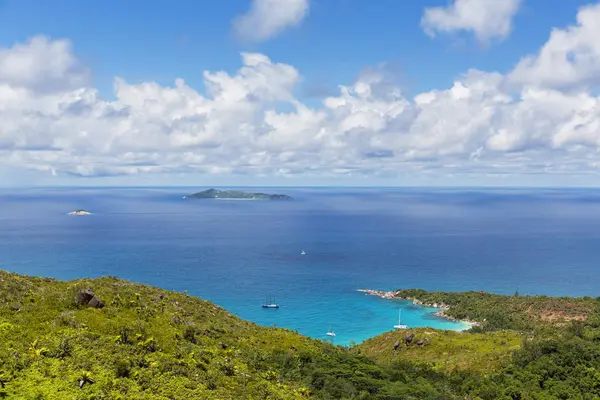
column 303, row 252
column 400, row 325
column 269, row 303
column 330, row 333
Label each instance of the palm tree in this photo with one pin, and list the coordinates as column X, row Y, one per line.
column 84, row 377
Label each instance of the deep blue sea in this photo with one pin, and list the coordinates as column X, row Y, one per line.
column 234, row 253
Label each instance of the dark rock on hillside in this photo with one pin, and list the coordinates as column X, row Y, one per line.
column 409, row 338
column 96, row 302
column 84, row 296
column 397, row 345
column 87, row 297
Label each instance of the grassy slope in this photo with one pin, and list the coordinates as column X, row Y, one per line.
column 145, row 341
column 487, row 348
column 446, row 351
column 148, row 343
column 528, row 347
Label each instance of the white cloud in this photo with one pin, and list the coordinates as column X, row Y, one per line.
column 570, row 59
column 267, row 18
column 487, row 19
column 478, row 126
column 43, row 65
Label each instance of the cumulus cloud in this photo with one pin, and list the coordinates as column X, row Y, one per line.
column 570, row 59
column 42, row 65
column 250, row 122
column 487, row 19
column 267, row 18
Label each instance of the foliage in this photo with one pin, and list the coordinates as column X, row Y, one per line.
column 446, row 351
column 148, row 343
column 498, row 312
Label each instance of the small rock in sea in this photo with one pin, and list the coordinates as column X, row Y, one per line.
column 84, row 296
column 409, row 338
column 397, row 345
column 96, row 302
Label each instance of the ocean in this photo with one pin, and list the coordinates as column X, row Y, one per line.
column 235, row 253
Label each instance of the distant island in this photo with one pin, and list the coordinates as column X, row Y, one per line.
column 235, row 195
column 80, row 212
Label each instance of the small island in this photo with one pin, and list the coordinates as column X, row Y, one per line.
column 235, row 195
column 80, row 212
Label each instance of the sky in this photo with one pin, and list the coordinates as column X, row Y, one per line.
column 300, row 92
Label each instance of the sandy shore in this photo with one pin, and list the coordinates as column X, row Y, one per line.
column 443, row 307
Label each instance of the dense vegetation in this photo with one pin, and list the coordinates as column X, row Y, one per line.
column 138, row 342
column 148, row 343
column 495, row 312
column 446, row 351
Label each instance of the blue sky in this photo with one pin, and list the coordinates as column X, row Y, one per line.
column 333, row 44
column 163, row 40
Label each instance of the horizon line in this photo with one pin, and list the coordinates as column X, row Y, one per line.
column 297, row 187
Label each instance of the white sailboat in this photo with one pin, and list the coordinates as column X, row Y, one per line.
column 330, row 332
column 303, row 253
column 269, row 303
column 400, row 325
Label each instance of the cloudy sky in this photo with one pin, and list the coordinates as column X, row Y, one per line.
column 300, row 92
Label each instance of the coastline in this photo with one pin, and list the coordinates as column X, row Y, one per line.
column 443, row 307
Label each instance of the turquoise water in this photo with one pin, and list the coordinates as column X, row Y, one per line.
column 236, row 253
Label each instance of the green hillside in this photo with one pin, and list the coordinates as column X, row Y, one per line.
column 108, row 338
column 495, row 312
column 446, row 351
column 148, row 343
